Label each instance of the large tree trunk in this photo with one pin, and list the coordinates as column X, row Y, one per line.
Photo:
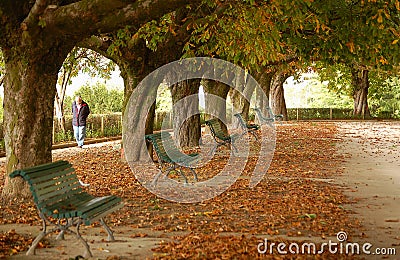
column 214, row 106
column 360, row 84
column 277, row 95
column 241, row 96
column 132, row 75
column 264, row 79
column 28, row 113
column 185, row 110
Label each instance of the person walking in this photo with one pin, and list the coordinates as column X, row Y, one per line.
column 80, row 112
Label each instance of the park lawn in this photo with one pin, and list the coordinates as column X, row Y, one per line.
column 295, row 200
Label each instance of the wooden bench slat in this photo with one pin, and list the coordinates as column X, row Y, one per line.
column 58, row 194
column 49, row 176
column 43, row 202
column 68, row 174
column 57, row 188
column 38, row 170
column 104, row 213
column 99, row 207
column 71, row 203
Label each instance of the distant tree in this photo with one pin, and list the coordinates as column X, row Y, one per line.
column 101, row 100
column 79, row 60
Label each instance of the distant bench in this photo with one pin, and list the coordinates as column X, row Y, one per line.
column 247, row 128
column 270, row 119
column 169, row 154
column 61, row 201
column 220, row 137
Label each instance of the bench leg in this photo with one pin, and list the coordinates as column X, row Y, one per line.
column 87, row 252
column 63, row 229
column 194, row 174
column 109, row 231
column 235, row 150
column 41, row 235
column 32, row 248
column 253, row 133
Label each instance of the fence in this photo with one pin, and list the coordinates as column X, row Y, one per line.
column 111, row 124
column 97, row 126
column 319, row 113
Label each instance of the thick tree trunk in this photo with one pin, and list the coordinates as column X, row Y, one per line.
column 238, row 101
column 28, row 115
column 214, row 106
column 277, row 95
column 241, row 97
column 262, row 93
column 264, row 79
column 185, row 110
column 132, row 77
column 360, row 84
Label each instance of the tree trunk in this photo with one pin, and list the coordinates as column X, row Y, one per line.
column 264, row 79
column 237, row 99
column 28, row 114
column 216, row 107
column 185, row 110
column 360, row 84
column 277, row 95
column 132, row 76
column 59, row 109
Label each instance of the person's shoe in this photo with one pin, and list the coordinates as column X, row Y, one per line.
column 80, row 146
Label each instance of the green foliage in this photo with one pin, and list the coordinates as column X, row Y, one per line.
column 101, row 100
column 309, row 92
column 164, row 99
column 63, row 136
column 385, row 99
column 360, row 32
column 87, row 61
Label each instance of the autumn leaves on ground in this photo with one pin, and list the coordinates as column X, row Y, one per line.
column 295, row 200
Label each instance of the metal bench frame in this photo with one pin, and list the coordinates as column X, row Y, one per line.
column 62, row 203
column 247, row 128
column 170, row 157
column 270, row 119
column 220, row 137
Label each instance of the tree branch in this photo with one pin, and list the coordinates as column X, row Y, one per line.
column 38, row 9
column 103, row 16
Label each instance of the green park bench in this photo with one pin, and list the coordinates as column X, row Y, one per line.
column 247, row 128
column 220, row 137
column 61, row 201
column 270, row 119
column 170, row 157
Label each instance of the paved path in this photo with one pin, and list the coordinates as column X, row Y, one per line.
column 372, row 175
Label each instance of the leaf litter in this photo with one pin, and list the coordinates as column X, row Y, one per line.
column 294, row 200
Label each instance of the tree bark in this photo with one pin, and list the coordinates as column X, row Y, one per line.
column 186, row 115
column 277, row 95
column 264, row 79
column 214, row 105
column 35, row 39
column 28, row 113
column 360, row 84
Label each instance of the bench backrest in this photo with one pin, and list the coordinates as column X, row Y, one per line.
column 216, row 129
column 165, row 147
column 271, row 117
column 264, row 119
column 242, row 123
column 50, row 183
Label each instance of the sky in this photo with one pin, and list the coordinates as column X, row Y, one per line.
column 116, row 81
